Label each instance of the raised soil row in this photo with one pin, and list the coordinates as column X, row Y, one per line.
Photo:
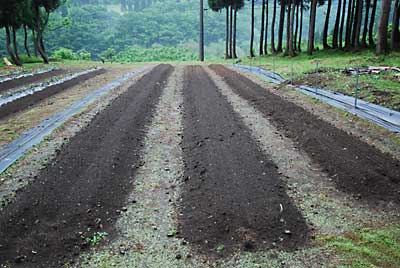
column 355, row 166
column 232, row 194
column 23, row 81
column 28, row 100
column 82, row 190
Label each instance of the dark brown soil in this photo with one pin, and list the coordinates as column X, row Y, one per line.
column 232, row 193
column 83, row 189
column 28, row 100
column 356, row 167
column 24, row 81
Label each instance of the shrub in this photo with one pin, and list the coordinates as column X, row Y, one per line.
column 65, row 54
column 84, row 55
column 32, row 59
column 140, row 54
column 108, row 54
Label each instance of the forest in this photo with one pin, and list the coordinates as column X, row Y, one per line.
column 347, row 25
column 114, row 29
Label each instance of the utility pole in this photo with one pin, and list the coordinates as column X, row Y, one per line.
column 201, row 45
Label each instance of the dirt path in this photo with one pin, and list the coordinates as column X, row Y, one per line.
column 28, row 100
column 232, row 196
column 11, row 84
column 80, row 195
column 354, row 166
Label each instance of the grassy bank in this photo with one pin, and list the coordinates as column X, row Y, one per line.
column 367, row 247
column 382, row 89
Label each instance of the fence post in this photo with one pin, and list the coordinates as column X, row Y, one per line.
column 357, row 87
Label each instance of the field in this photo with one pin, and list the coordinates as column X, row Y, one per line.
column 185, row 165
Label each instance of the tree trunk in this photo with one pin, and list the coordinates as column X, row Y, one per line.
column 41, row 48
column 234, row 33
column 357, row 23
column 14, row 34
column 291, row 43
column 123, row 5
column 252, row 30
column 35, row 43
column 301, row 25
column 230, row 32
column 39, row 39
column 337, row 24
column 365, row 30
column 9, row 50
column 273, row 29
column 311, row 30
column 227, row 34
column 281, row 27
column 326, row 26
column 266, row 29
column 381, row 43
column 42, row 44
column 342, row 24
column 26, row 42
column 297, row 28
column 288, row 24
column 395, row 37
column 261, row 49
column 372, row 24
column 351, row 23
column 348, row 25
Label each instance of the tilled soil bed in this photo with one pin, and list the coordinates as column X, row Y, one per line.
column 80, row 194
column 232, row 195
column 28, row 100
column 356, row 167
column 15, row 83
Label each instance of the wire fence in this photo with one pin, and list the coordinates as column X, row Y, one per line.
column 378, row 85
column 380, row 115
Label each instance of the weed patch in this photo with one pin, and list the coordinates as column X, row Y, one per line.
column 368, row 247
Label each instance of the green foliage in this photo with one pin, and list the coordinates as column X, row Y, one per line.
column 172, row 232
column 84, row 55
column 109, row 54
column 26, row 59
column 220, row 248
column 368, row 247
column 69, row 54
column 65, row 54
column 140, row 54
column 96, row 238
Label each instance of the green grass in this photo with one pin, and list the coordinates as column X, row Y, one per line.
column 382, row 89
column 326, row 59
column 368, row 248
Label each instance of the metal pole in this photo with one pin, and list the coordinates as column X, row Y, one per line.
column 201, row 45
column 316, row 77
column 291, row 74
column 357, row 85
column 273, row 64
